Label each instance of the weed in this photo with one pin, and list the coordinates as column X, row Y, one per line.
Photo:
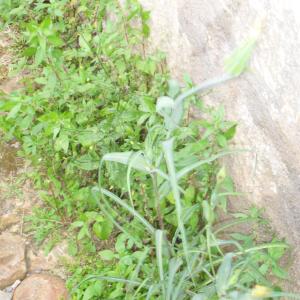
column 189, row 259
column 116, row 162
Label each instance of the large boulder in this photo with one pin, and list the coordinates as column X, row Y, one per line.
column 197, row 36
column 12, row 259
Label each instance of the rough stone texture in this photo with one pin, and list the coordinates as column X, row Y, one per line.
column 41, row 287
column 39, row 262
column 8, row 220
column 197, row 35
column 5, row 296
column 12, row 259
column 10, row 85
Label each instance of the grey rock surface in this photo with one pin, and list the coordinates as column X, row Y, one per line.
column 197, row 36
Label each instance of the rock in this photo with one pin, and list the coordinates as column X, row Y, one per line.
column 12, row 259
column 41, row 287
column 11, row 85
column 8, row 220
column 10, row 289
column 5, row 296
column 38, row 262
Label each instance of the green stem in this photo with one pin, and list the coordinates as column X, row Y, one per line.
column 157, row 202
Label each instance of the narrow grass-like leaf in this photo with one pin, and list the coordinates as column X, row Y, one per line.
column 198, row 164
column 152, row 289
column 256, row 274
column 218, row 243
column 140, row 163
column 179, row 101
column 208, row 292
column 168, row 151
column 188, row 213
column 239, row 60
column 283, row 295
column 159, row 236
column 224, row 274
column 209, row 247
column 174, row 265
column 199, row 297
column 265, row 246
column 233, row 223
column 140, row 287
column 178, row 292
column 137, row 269
column 95, row 192
column 131, row 210
column 130, row 165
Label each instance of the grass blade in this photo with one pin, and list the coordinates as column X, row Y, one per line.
column 131, row 210
column 152, row 289
column 174, row 265
column 196, row 165
column 159, row 235
column 168, row 151
column 179, row 101
column 139, row 163
column 130, row 166
column 224, row 274
column 108, row 215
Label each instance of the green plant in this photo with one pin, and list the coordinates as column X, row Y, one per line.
column 143, row 224
column 86, row 91
column 187, row 255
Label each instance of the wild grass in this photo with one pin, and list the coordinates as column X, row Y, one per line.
column 190, row 264
column 134, row 184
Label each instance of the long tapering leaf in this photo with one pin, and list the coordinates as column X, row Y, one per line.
column 174, row 265
column 133, row 212
column 139, row 163
column 134, row 160
column 283, row 295
column 187, row 214
column 96, row 192
column 159, row 236
column 141, row 261
column 139, row 288
column 168, row 152
column 265, row 246
column 197, row 164
column 151, row 291
column 224, row 274
column 238, row 62
column 130, row 166
column 179, row 101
